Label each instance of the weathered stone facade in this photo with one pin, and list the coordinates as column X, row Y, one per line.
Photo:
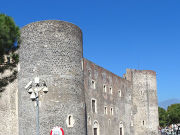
column 52, row 50
column 110, row 92
column 144, row 101
column 83, row 98
column 9, row 107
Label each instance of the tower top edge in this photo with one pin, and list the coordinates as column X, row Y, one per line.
column 142, row 71
column 51, row 22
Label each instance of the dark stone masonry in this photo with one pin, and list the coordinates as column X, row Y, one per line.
column 83, row 98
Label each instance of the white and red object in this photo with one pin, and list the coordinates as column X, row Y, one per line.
column 57, row 131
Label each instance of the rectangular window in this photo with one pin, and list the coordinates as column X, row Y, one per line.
column 95, row 131
column 120, row 131
column 93, row 106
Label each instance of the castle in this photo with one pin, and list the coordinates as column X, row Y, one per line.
column 83, row 98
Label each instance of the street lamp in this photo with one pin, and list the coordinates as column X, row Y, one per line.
column 34, row 88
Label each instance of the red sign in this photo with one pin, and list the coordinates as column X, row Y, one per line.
column 57, row 131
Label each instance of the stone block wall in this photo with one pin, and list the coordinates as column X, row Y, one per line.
column 116, row 96
column 52, row 51
column 8, row 107
column 144, row 101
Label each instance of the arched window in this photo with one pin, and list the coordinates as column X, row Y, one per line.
column 121, row 128
column 96, row 128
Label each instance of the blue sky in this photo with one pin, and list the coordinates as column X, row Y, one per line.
column 118, row 34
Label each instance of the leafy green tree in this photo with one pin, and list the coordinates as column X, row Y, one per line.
column 163, row 121
column 173, row 112
column 9, row 36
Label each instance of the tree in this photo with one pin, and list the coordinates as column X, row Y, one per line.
column 173, row 112
column 9, row 36
column 163, row 121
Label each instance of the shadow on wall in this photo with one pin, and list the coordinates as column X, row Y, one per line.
column 5, row 80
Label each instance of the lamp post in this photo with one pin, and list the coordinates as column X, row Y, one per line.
column 33, row 88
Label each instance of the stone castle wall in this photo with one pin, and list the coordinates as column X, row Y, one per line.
column 144, row 101
column 8, row 107
column 116, row 96
column 52, row 51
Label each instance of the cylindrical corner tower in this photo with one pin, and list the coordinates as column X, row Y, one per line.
column 52, row 51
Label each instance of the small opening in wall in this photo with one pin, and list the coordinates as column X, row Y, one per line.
column 89, row 120
column 111, row 111
column 70, row 121
column 105, row 110
column 104, row 88
column 120, row 95
column 93, row 105
column 110, row 90
column 109, row 122
column 143, row 122
column 93, row 84
column 131, row 123
column 70, row 117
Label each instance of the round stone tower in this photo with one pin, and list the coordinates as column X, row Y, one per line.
column 52, row 51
